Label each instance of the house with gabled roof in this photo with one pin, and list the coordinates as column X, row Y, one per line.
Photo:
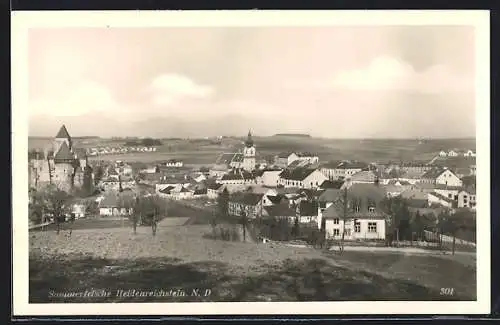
column 116, row 204
column 249, row 203
column 441, row 176
column 356, row 213
column 301, row 178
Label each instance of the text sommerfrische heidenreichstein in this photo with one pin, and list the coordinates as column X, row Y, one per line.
column 131, row 293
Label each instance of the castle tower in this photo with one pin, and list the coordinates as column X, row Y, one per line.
column 62, row 137
column 64, row 162
column 249, row 154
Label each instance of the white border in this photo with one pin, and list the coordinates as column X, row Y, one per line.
column 22, row 21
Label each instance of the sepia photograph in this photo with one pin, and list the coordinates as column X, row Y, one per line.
column 251, row 162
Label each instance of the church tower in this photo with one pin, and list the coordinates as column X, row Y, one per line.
column 249, row 154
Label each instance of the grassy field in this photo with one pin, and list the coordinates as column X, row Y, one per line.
column 204, row 152
column 180, row 258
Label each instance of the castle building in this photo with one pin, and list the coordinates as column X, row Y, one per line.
column 249, row 154
column 63, row 165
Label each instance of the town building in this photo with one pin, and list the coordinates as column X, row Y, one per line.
column 302, row 178
column 116, row 204
column 284, row 159
column 359, row 218
column 441, row 176
column 250, row 204
column 467, row 198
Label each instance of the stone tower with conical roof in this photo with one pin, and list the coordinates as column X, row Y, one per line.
column 249, row 154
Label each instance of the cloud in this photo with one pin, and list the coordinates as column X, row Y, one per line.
column 86, row 97
column 169, row 89
column 387, row 73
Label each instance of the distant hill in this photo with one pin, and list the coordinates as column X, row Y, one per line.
column 295, row 135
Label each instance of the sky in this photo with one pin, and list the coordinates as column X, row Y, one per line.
column 337, row 82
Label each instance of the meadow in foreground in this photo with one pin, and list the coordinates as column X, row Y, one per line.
column 178, row 257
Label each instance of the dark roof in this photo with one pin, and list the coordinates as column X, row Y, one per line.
column 434, row 173
column 297, row 174
column 183, row 190
column 275, row 198
column 310, row 193
column 63, row 133
column 470, row 190
column 331, row 185
column 231, row 176
column 330, row 195
column 417, row 203
column 284, row 154
column 214, row 186
column 200, row 191
column 336, row 210
column 246, row 198
column 308, row 208
column 305, row 154
column 64, row 154
column 280, row 210
column 167, row 189
column 112, row 200
column 331, row 164
column 371, row 191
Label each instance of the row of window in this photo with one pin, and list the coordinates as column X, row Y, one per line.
column 372, row 227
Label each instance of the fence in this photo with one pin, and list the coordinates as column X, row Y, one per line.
column 432, row 236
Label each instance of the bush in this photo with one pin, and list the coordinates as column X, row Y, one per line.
column 224, row 232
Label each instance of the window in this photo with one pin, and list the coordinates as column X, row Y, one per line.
column 357, row 226
column 336, row 232
column 336, row 221
column 371, row 209
column 450, row 195
column 372, row 227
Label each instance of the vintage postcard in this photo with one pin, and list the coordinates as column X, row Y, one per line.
column 251, row 162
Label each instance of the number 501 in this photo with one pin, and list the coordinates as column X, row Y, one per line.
column 447, row 291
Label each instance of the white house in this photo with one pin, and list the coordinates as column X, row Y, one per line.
column 285, row 158
column 302, row 178
column 213, row 190
column 116, row 205
column 173, row 163
column 363, row 222
column 78, row 210
column 441, row 176
column 452, row 153
column 443, row 153
column 178, row 192
column 270, row 178
column 467, row 198
column 469, row 153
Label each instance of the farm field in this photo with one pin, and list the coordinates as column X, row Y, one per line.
column 203, row 152
column 179, row 257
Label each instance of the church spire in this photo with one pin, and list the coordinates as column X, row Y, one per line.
column 249, row 141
